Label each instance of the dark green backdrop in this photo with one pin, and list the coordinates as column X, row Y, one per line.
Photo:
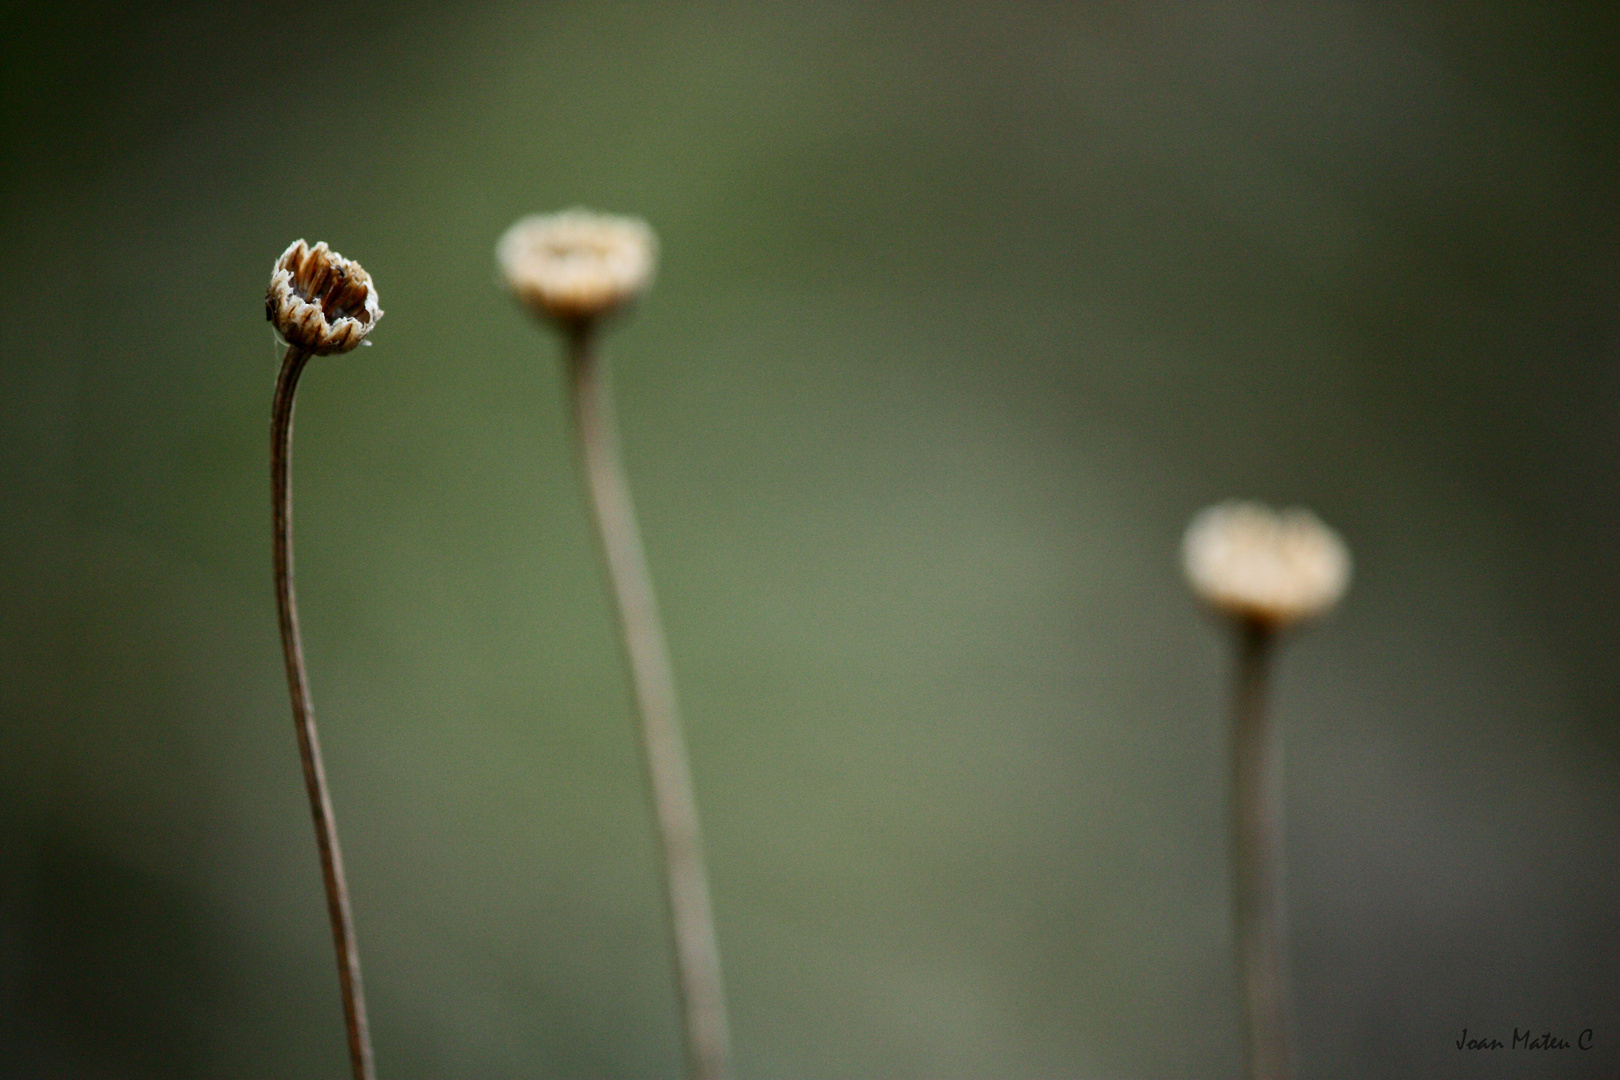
column 964, row 310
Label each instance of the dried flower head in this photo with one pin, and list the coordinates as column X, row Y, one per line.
column 320, row 301
column 1250, row 561
column 576, row 265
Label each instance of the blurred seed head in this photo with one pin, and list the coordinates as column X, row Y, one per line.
column 576, row 266
column 320, row 301
column 1254, row 563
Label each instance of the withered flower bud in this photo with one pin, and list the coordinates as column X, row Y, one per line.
column 1250, row 561
column 576, row 266
column 319, row 301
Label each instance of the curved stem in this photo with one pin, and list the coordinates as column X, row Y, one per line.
column 697, row 956
column 1257, row 858
column 309, row 745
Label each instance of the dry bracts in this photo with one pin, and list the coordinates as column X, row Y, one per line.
column 319, row 301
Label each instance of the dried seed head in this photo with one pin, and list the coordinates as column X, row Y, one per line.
column 1250, row 561
column 320, row 301
column 576, row 265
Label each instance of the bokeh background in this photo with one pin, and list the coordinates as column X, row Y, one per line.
column 964, row 310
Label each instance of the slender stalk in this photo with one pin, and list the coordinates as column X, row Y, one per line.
column 691, row 919
column 309, row 744
column 1257, row 859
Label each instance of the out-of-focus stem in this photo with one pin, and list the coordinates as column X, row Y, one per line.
column 309, row 745
column 1257, row 861
column 691, row 918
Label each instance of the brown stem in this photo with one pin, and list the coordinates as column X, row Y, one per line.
column 1257, row 858
column 309, row 745
column 697, row 956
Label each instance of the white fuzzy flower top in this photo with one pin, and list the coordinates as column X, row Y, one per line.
column 1250, row 561
column 576, row 265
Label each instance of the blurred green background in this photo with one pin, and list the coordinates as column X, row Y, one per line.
column 964, row 309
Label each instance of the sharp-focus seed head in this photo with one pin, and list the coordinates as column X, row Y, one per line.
column 577, row 266
column 320, row 301
column 1254, row 563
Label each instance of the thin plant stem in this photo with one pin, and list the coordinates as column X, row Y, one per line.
column 691, row 918
column 309, row 744
column 1257, row 859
